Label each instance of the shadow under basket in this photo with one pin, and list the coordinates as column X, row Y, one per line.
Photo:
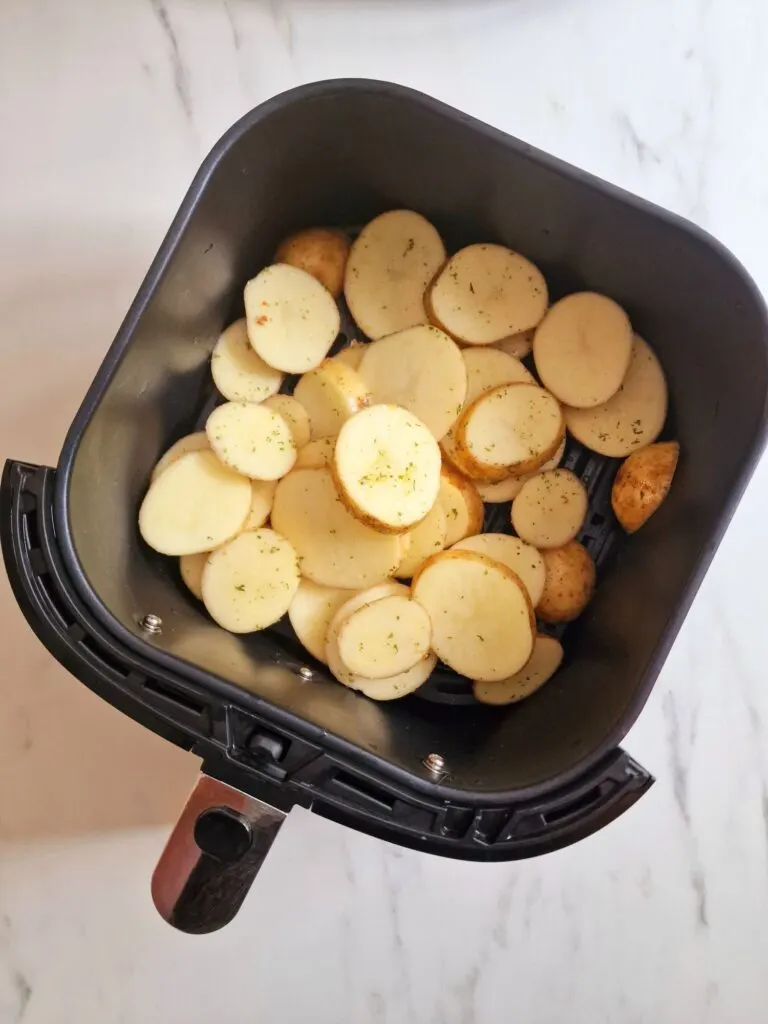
column 273, row 729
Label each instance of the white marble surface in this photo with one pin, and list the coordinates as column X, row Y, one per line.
column 106, row 108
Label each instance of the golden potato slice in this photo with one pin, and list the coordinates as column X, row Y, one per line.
column 390, row 265
column 249, row 583
column 386, row 465
column 294, row 414
column 191, row 569
column 424, row 540
column 317, row 454
column 633, row 417
column 463, row 506
column 643, row 482
column 545, row 661
column 262, row 496
column 509, row 487
column 420, row 369
column 385, row 638
column 517, row 345
column 331, row 394
column 292, row 319
column 569, row 584
column 335, row 549
column 191, row 443
column 516, row 554
column 321, row 252
column 194, row 505
column 582, row 349
column 252, row 440
column 486, row 292
column 550, row 509
column 240, row 374
column 351, row 354
column 311, row 610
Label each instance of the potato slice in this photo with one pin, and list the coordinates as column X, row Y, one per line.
column 191, row 443
column 516, row 554
column 386, row 465
column 240, row 374
column 249, row 583
column 262, row 496
column 191, row 569
column 582, row 349
column 292, row 319
column 252, row 440
column 351, row 354
column 390, row 265
column 194, row 505
column 385, row 638
column 517, row 345
column 331, row 394
column 633, row 417
column 311, row 610
column 550, row 508
column 569, row 585
column 294, row 414
column 426, row 539
column 545, row 661
column 317, row 454
column 486, row 292
column 335, row 549
column 643, row 483
column 510, row 487
column 321, row 252
column 420, row 369
column 482, row 618
column 463, row 506
column 511, row 429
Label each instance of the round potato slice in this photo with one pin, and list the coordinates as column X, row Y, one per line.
column 262, row 496
column 482, row 618
column 425, row 540
column 191, row 569
column 420, row 369
column 385, row 638
column 509, row 488
column 545, row 661
column 517, row 345
column 191, row 443
column 317, row 454
column 486, row 292
column 582, row 349
column 294, row 414
column 511, row 429
column 321, row 252
column 249, row 583
column 240, row 374
column 463, row 506
column 351, row 354
column 292, row 319
column 311, row 610
column 335, row 549
column 569, row 584
column 643, row 482
column 194, row 505
column 633, row 417
column 550, row 508
column 390, row 264
column 521, row 558
column 252, row 440
column 331, row 394
column 386, row 465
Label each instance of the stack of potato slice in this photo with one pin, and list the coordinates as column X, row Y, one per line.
column 355, row 505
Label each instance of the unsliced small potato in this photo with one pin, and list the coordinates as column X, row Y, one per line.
column 545, row 661
column 385, row 638
column 550, row 508
column 317, row 454
column 292, row 319
column 582, row 349
column 390, row 264
column 569, row 584
column 321, row 252
column 425, row 540
column 513, row 552
column 643, row 483
column 191, row 569
column 463, row 506
column 421, row 369
column 249, row 583
column 262, row 496
column 294, row 414
column 517, row 345
column 509, row 488
column 351, row 354
column 191, row 443
column 240, row 374
column 386, row 465
column 252, row 440
column 486, row 292
column 194, row 505
column 310, row 612
column 331, row 394
column 482, row 618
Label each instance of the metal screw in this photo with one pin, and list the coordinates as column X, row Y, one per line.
column 305, row 673
column 151, row 624
column 434, row 763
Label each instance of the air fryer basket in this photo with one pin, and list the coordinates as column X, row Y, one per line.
column 338, row 153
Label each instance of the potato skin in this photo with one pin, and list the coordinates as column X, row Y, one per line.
column 643, row 482
column 321, row 252
column 569, row 584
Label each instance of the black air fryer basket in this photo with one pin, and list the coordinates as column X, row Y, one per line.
column 273, row 729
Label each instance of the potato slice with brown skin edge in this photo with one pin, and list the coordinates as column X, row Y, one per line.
column 643, row 482
column 310, row 612
column 385, row 638
column 321, row 252
column 463, row 506
column 331, row 394
column 191, row 443
column 517, row 345
column 508, row 488
column 294, row 414
column 545, row 661
column 239, row 373
column 513, row 552
column 569, row 584
column 317, row 454
column 425, row 540
column 191, row 569
column 550, row 509
column 354, row 603
column 252, row 440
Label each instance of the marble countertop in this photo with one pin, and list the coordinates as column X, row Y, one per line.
column 106, row 109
